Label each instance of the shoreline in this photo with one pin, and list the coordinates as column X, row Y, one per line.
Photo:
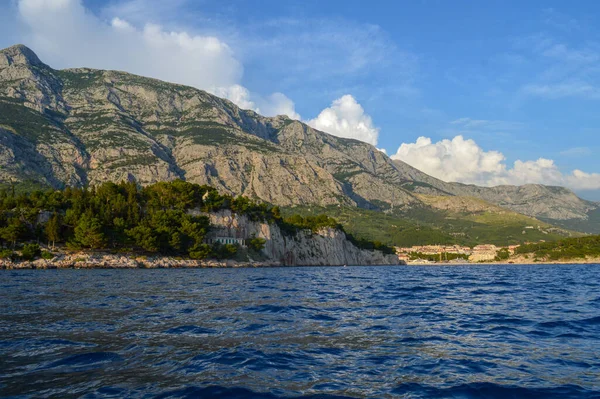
column 99, row 260
column 107, row 260
column 168, row 263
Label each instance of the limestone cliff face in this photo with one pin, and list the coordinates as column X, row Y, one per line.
column 328, row 247
column 84, row 126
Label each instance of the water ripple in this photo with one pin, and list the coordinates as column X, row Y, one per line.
column 411, row 332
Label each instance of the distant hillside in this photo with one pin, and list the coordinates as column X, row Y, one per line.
column 79, row 127
column 570, row 248
column 418, row 226
column 555, row 205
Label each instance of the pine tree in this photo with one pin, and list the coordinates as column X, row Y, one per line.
column 14, row 229
column 88, row 232
column 52, row 229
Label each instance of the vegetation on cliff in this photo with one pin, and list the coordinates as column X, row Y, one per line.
column 153, row 219
column 570, row 248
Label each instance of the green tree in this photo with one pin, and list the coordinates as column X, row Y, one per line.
column 224, row 251
column 14, row 229
column 256, row 243
column 143, row 236
column 88, row 232
column 52, row 229
column 502, row 254
column 31, row 251
column 200, row 251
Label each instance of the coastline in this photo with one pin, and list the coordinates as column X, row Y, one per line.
column 85, row 260
column 97, row 260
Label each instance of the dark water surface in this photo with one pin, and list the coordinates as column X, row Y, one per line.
column 414, row 332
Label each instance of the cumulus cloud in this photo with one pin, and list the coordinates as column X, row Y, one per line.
column 275, row 104
column 463, row 160
column 278, row 104
column 66, row 34
column 237, row 94
column 452, row 160
column 346, row 118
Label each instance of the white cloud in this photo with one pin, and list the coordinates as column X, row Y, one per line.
column 346, row 118
column 278, row 104
column 66, row 34
column 577, row 152
column 463, row 160
column 451, row 160
column 565, row 71
column 275, row 104
column 237, row 94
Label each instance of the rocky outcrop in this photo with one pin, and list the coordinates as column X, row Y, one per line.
column 324, row 248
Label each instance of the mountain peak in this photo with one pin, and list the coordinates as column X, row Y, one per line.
column 19, row 54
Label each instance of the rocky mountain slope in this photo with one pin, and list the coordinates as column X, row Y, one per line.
column 85, row 126
column 557, row 205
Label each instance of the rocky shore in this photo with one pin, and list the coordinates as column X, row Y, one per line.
column 86, row 260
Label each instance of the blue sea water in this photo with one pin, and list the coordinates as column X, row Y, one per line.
column 412, row 332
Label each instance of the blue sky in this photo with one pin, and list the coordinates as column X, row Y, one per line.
column 516, row 81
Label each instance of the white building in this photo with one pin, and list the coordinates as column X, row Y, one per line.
column 226, row 240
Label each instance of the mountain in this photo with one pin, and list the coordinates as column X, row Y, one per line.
column 85, row 126
column 556, row 205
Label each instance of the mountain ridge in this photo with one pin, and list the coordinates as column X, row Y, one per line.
column 81, row 126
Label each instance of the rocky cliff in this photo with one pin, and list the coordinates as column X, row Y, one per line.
column 324, row 248
column 84, row 126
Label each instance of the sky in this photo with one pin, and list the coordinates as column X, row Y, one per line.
column 494, row 92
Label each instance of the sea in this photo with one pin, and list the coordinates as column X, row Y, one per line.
column 501, row 331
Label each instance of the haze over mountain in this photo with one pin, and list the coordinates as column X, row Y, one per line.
column 85, row 126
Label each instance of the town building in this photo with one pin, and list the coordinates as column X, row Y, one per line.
column 484, row 253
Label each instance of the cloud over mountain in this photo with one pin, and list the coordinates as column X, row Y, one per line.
column 66, row 34
column 463, row 160
column 347, row 118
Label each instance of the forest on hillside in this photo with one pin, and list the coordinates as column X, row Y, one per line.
column 125, row 217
